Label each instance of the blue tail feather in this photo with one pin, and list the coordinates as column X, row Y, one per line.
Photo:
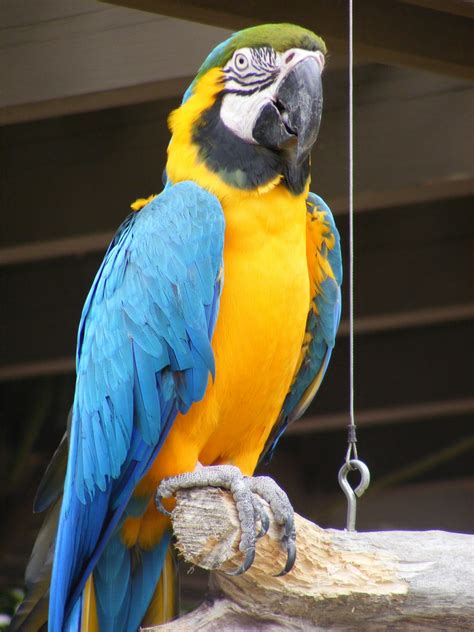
column 125, row 581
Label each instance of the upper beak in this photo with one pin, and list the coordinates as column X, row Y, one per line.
column 291, row 121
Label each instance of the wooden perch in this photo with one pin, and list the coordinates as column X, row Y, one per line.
column 396, row 580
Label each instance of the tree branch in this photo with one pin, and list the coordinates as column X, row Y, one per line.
column 404, row 580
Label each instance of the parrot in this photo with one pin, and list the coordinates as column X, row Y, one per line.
column 208, row 330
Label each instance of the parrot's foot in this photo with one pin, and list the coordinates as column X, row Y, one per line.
column 247, row 493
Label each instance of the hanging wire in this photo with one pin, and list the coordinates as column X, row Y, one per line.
column 352, row 445
column 352, row 461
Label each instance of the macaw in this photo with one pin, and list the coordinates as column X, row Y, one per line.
column 207, row 330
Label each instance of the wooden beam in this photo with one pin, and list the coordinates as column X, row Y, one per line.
column 387, row 32
column 55, row 248
column 92, row 101
column 456, row 7
column 81, row 55
column 425, row 191
column 25, row 370
column 409, row 318
column 421, row 411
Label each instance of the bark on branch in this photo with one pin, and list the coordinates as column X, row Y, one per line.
column 397, row 580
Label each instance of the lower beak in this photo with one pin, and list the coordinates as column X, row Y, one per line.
column 291, row 122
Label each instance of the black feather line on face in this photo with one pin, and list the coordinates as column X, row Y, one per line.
column 247, row 92
column 240, row 164
column 261, row 83
column 230, row 72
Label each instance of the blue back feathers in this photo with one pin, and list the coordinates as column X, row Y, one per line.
column 143, row 354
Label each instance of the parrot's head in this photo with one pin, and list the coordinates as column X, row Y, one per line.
column 250, row 117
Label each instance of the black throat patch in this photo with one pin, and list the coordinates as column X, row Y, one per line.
column 241, row 164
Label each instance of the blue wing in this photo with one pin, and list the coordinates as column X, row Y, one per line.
column 325, row 270
column 143, row 354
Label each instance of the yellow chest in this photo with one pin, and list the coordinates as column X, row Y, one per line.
column 260, row 328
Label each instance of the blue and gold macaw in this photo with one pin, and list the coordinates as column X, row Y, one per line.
column 208, row 329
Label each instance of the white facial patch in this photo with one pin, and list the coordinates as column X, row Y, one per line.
column 252, row 78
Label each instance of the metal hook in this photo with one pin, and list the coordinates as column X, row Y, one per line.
column 353, row 494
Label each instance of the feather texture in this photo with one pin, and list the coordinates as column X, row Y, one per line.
column 325, row 270
column 143, row 354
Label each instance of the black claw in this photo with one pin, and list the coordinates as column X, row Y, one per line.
column 290, row 560
column 265, row 520
column 161, row 508
column 249, row 558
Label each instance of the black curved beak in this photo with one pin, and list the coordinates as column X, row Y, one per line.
column 291, row 122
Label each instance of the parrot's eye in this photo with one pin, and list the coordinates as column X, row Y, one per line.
column 241, row 62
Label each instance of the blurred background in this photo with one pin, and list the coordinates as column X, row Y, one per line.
column 85, row 90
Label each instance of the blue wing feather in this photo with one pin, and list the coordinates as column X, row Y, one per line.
column 143, row 354
column 321, row 328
